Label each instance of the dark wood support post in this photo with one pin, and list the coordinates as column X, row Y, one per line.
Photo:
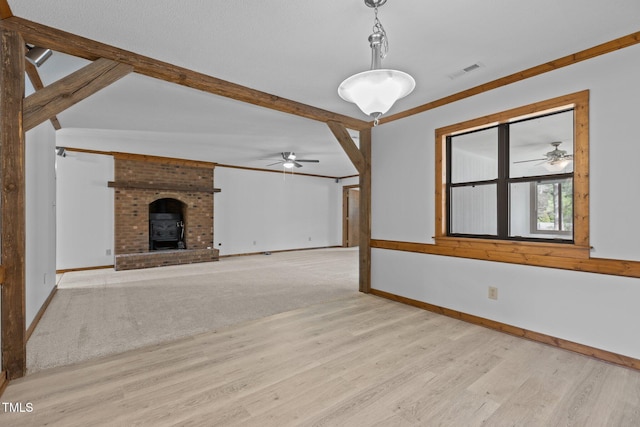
column 12, row 181
column 365, row 212
column 361, row 159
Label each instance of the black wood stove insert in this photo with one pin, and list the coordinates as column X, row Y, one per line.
column 166, row 231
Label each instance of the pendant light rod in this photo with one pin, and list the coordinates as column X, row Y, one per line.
column 375, row 41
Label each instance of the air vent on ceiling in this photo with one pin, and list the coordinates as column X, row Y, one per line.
column 466, row 70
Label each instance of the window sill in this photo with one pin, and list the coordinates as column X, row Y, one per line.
column 566, row 257
column 506, row 250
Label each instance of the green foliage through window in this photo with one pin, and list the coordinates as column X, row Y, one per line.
column 554, row 206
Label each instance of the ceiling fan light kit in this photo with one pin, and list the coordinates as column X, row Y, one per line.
column 289, row 160
column 555, row 160
column 375, row 91
column 556, row 165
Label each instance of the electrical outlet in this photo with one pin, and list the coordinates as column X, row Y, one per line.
column 108, row 251
column 493, row 292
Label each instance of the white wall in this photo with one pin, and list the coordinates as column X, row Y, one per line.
column 595, row 310
column 84, row 210
column 40, row 217
column 277, row 212
column 262, row 211
column 350, row 181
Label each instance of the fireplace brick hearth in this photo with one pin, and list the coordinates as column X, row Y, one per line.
column 162, row 258
column 141, row 181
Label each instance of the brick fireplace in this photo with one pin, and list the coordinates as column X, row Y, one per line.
column 176, row 194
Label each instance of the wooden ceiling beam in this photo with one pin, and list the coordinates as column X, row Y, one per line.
column 57, row 97
column 583, row 55
column 5, row 10
column 348, row 145
column 37, row 84
column 71, row 44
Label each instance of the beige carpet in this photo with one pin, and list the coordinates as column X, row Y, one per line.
column 101, row 312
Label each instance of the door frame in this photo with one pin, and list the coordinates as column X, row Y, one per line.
column 345, row 212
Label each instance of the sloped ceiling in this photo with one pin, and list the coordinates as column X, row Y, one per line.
column 300, row 50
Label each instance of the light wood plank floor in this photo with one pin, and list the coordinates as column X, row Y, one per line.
column 358, row 361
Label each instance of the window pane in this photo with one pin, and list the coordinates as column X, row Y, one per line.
column 542, row 145
column 474, row 210
column 520, row 210
column 542, row 209
column 474, row 156
column 548, row 207
column 567, row 206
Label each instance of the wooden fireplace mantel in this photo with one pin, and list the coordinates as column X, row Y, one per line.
column 160, row 186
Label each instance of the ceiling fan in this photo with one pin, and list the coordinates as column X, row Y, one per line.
column 554, row 160
column 289, row 160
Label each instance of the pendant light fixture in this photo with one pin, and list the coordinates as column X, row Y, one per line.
column 375, row 91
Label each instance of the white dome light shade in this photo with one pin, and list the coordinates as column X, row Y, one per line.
column 375, row 91
column 288, row 164
column 556, row 165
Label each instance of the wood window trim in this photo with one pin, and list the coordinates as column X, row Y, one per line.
column 579, row 101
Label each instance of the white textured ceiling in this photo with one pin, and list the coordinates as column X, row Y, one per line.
column 301, row 50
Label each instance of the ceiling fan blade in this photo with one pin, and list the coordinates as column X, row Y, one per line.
column 532, row 160
column 308, row 161
column 276, row 163
column 298, row 165
column 271, row 156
